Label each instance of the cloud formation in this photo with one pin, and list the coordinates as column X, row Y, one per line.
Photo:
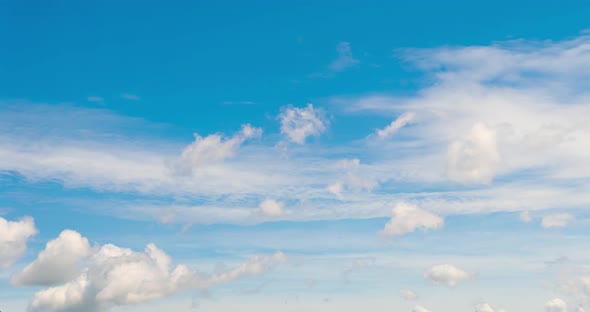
column 300, row 123
column 395, row 125
column 215, row 147
column 555, row 305
column 59, row 262
column 473, row 159
column 419, row 308
column 446, row 274
column 408, row 218
column 408, row 294
column 13, row 239
column 271, row 208
column 116, row 276
column 557, row 220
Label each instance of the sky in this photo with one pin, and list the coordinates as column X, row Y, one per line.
column 419, row 156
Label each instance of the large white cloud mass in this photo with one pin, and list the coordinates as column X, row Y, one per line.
column 119, row 276
column 13, row 239
column 59, row 262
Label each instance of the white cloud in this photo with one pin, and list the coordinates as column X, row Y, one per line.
column 354, row 178
column 408, row 218
column 271, row 208
column 59, row 262
column 525, row 216
column 13, row 239
column 214, row 147
column 483, row 307
column 474, row 158
column 555, row 305
column 300, row 123
column 395, row 125
column 557, row 220
column 420, row 308
column 345, row 58
column 446, row 274
column 119, row 276
column 408, row 294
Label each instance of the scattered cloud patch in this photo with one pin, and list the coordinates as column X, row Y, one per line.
column 408, row 294
column 300, row 123
column 395, row 125
column 408, row 218
column 215, row 147
column 419, row 308
column 525, row 216
column 446, row 274
column 555, row 305
column 271, row 208
column 557, row 220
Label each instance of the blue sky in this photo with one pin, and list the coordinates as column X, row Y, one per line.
column 268, row 156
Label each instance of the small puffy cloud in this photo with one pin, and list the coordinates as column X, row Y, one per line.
column 300, row 123
column 420, row 308
column 271, row 208
column 59, row 262
column 395, row 125
column 117, row 276
column 555, row 305
column 525, row 217
column 345, row 58
column 13, row 239
column 557, row 220
column 408, row 218
column 408, row 294
column 446, row 274
column 215, row 147
column 474, row 158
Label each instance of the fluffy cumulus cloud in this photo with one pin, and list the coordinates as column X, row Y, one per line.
column 300, row 123
column 395, row 125
column 271, row 208
column 119, row 276
column 555, row 305
column 408, row 294
column 557, row 220
column 215, row 147
column 13, row 239
column 408, row 218
column 446, row 274
column 59, row 262
column 474, row 158
column 419, row 308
